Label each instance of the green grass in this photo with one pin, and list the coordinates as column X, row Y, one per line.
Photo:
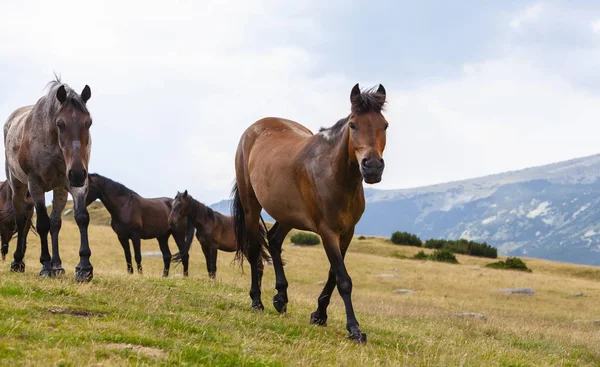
column 147, row 320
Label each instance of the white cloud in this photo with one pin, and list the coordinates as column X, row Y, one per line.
column 528, row 15
column 596, row 26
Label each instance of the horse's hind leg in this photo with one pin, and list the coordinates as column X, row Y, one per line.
column 5, row 239
column 59, row 200
column 276, row 236
column 127, row 251
column 251, row 208
column 163, row 243
column 18, row 200
column 206, row 250
column 137, row 250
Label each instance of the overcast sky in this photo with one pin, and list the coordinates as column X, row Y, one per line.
column 474, row 87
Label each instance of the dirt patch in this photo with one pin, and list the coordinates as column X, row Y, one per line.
column 82, row 313
column 139, row 349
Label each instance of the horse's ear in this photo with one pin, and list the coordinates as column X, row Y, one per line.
column 61, row 94
column 86, row 94
column 355, row 94
column 185, row 194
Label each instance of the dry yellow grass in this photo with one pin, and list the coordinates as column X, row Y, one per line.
column 150, row 320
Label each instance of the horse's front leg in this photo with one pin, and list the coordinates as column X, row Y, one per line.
column 333, row 247
column 59, row 200
column 43, row 227
column 84, row 271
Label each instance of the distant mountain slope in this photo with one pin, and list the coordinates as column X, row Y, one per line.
column 548, row 211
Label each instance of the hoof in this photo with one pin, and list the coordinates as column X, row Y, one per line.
column 257, row 305
column 317, row 319
column 185, row 274
column 46, row 273
column 17, row 267
column 3, row 256
column 280, row 304
column 58, row 271
column 140, row 270
column 165, row 274
column 130, row 269
column 359, row 337
column 84, row 275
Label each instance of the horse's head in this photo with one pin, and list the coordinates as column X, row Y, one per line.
column 180, row 208
column 367, row 128
column 73, row 123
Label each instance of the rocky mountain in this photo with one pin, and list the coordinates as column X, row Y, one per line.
column 548, row 211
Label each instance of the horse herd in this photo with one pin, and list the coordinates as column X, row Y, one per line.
column 306, row 181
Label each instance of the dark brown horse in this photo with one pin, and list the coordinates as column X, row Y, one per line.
column 214, row 230
column 135, row 218
column 309, row 182
column 47, row 148
column 8, row 225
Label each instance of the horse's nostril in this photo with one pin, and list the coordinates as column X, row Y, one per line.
column 364, row 161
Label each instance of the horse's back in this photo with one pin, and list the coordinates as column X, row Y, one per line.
column 269, row 164
column 13, row 135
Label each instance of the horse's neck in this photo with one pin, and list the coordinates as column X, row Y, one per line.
column 198, row 213
column 111, row 201
column 344, row 171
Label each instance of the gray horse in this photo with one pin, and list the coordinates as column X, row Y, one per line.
column 48, row 147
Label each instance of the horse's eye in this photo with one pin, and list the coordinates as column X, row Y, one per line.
column 386, row 126
column 352, row 126
column 60, row 124
column 88, row 124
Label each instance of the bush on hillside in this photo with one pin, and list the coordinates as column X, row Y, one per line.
column 362, row 238
column 511, row 263
column 421, row 255
column 438, row 255
column 444, row 256
column 464, row 247
column 303, row 238
column 405, row 238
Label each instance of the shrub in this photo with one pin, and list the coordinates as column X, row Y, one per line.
column 464, row 247
column 421, row 255
column 434, row 243
column 511, row 263
column 444, row 256
column 362, row 238
column 303, row 238
column 405, row 238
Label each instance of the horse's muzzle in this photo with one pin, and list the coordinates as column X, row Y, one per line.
column 77, row 177
column 372, row 169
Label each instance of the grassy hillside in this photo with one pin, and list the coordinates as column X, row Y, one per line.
column 120, row 319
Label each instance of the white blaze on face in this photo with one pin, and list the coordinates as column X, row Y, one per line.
column 76, row 144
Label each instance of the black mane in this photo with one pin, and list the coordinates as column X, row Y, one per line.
column 368, row 101
column 111, row 186
column 73, row 98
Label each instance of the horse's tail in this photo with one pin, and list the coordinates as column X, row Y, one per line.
column 239, row 223
column 241, row 232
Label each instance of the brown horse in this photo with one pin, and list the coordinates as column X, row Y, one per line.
column 214, row 230
column 47, row 148
column 134, row 218
column 309, row 182
column 8, row 225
